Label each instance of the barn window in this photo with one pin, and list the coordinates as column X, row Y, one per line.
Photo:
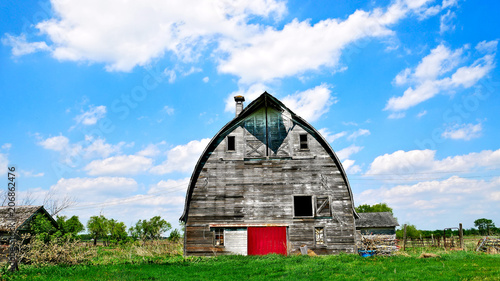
column 219, row 237
column 231, row 143
column 323, row 206
column 303, row 141
column 302, row 206
column 319, row 233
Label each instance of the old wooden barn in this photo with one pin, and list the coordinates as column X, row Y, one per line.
column 268, row 182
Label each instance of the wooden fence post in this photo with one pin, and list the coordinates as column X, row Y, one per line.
column 461, row 235
column 444, row 239
column 404, row 238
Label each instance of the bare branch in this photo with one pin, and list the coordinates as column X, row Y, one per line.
column 55, row 205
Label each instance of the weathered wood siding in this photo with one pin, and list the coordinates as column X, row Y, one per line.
column 249, row 186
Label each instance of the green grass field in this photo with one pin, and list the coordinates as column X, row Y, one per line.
column 455, row 265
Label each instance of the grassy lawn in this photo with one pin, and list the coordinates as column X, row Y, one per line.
column 449, row 266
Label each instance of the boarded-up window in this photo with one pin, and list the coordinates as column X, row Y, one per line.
column 302, row 206
column 323, row 206
column 231, row 143
column 219, row 237
column 303, row 141
column 319, row 233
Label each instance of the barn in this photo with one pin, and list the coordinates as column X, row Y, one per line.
column 268, row 182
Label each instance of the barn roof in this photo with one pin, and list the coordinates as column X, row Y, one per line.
column 379, row 219
column 266, row 100
column 22, row 215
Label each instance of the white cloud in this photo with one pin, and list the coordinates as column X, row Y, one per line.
column 348, row 151
column 350, row 168
column 206, row 79
column 168, row 110
column 300, row 46
column 58, row 143
column 182, row 158
column 427, row 78
column 463, row 131
column 446, row 23
column 487, row 46
column 451, row 199
column 6, row 146
column 330, row 137
column 250, row 93
column 358, row 133
column 85, row 149
column 21, row 47
column 152, row 150
column 91, row 116
column 310, row 104
column 3, row 163
column 86, row 189
column 169, row 186
column 31, row 174
column 123, row 36
column 119, row 165
column 422, row 113
column 421, row 161
column 396, row 115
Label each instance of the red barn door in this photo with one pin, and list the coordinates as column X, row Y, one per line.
column 267, row 240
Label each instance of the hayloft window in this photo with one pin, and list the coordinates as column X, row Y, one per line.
column 231, row 143
column 302, row 206
column 303, row 141
column 319, row 235
column 323, row 206
column 219, row 237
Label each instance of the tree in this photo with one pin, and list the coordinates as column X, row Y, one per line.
column 484, row 225
column 71, row 227
column 380, row 207
column 42, row 228
column 411, row 231
column 98, row 227
column 117, row 231
column 175, row 235
column 54, row 204
column 148, row 230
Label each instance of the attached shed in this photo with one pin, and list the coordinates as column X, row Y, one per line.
column 376, row 223
column 23, row 216
column 268, row 182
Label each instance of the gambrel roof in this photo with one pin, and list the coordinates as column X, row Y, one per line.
column 264, row 100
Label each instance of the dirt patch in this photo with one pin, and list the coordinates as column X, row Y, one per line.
column 428, row 255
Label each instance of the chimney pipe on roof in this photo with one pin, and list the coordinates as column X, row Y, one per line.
column 239, row 104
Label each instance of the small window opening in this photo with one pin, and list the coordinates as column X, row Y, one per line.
column 231, row 143
column 219, row 237
column 320, row 235
column 303, row 141
column 302, row 206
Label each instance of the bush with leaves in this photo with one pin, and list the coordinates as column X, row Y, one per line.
column 380, row 207
column 98, row 227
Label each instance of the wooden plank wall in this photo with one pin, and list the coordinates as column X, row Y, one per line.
column 260, row 191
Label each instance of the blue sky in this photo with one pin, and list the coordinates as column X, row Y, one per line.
column 112, row 102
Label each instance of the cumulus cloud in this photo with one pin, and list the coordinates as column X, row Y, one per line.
column 86, row 149
column 181, row 158
column 250, row 93
column 463, row 131
column 21, row 47
column 119, row 165
column 3, row 163
column 446, row 23
column 348, row 151
column 432, row 75
column 123, row 36
column 310, row 104
column 91, row 116
column 358, row 133
column 169, row 185
column 88, row 188
column 421, row 161
column 329, row 136
column 449, row 199
column 301, row 46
